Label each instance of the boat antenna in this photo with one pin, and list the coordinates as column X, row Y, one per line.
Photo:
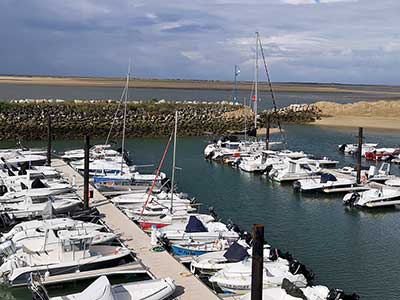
column 173, row 161
column 124, row 122
column 269, row 83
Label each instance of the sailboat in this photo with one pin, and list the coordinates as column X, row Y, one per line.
column 113, row 173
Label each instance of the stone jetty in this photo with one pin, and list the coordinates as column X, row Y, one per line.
column 27, row 119
column 292, row 114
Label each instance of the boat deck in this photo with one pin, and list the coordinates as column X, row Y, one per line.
column 131, row 268
column 158, row 264
column 355, row 188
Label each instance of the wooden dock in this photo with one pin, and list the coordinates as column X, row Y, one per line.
column 158, row 264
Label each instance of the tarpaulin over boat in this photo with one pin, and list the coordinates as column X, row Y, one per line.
column 236, row 253
column 195, row 225
column 98, row 290
column 325, row 177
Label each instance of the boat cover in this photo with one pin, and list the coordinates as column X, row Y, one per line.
column 236, row 253
column 195, row 225
column 37, row 184
column 325, row 177
column 99, row 290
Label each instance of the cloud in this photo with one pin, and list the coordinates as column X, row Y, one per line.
column 340, row 42
column 302, row 2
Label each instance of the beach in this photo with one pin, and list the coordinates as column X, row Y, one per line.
column 382, row 115
column 198, row 84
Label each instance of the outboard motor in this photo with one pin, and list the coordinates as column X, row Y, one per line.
column 353, row 199
column 342, row 147
column 296, row 185
column 292, row 290
column 295, row 267
column 37, row 289
column 337, row 294
column 212, row 212
column 6, row 221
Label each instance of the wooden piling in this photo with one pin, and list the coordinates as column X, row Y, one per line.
column 49, row 134
column 86, row 174
column 267, row 133
column 257, row 262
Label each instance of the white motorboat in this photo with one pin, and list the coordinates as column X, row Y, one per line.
column 198, row 231
column 292, row 154
column 210, row 263
column 101, row 289
column 325, row 181
column 393, row 182
column 381, row 175
column 352, row 148
column 28, row 209
column 294, row 170
column 68, row 256
column 40, row 240
column 49, row 224
column 288, row 291
column 236, row 278
column 13, row 188
column 380, row 197
column 259, row 163
column 19, row 157
column 96, row 152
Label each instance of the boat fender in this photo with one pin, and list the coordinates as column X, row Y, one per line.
column 116, row 251
column 364, row 179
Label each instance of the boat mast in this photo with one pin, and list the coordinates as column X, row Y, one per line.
column 255, row 98
column 237, row 71
column 124, row 122
column 245, row 119
column 173, row 162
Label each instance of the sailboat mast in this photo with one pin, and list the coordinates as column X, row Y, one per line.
column 245, row 119
column 173, row 162
column 235, row 90
column 255, row 98
column 124, row 122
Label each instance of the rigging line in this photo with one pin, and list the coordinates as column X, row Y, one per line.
column 125, row 107
column 115, row 115
column 157, row 174
column 269, row 83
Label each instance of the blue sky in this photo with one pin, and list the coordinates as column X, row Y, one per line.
column 348, row 41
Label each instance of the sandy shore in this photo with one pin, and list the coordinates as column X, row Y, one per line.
column 195, row 84
column 383, row 115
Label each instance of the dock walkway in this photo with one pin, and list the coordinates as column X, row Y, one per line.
column 158, row 264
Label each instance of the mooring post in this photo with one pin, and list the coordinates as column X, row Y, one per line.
column 49, row 140
column 257, row 262
column 268, row 125
column 86, row 175
column 359, row 152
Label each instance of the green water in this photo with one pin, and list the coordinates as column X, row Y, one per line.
column 349, row 249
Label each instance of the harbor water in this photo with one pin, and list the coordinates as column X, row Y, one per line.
column 355, row 250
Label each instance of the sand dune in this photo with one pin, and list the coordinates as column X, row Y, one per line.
column 378, row 115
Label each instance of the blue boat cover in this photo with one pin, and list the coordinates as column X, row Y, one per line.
column 325, row 177
column 195, row 225
column 236, row 253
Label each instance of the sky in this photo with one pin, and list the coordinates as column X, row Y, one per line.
column 345, row 41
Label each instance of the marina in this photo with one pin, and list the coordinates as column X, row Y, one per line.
column 199, row 150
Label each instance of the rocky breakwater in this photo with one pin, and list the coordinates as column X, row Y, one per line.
column 28, row 120
column 292, row 114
